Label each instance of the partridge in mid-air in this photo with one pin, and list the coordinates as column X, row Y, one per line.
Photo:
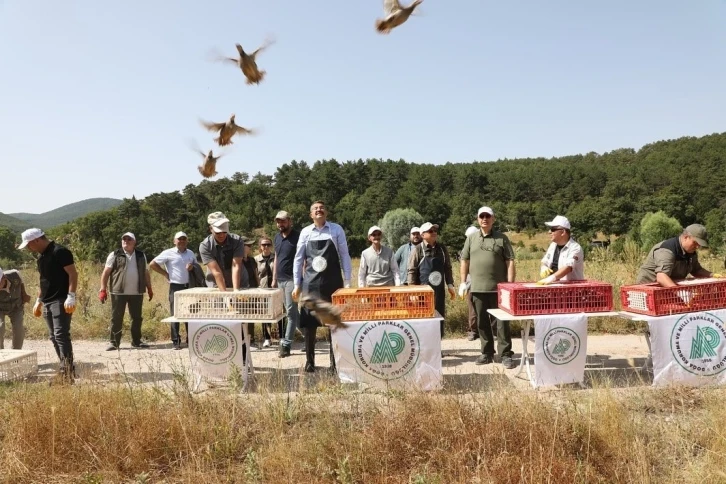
column 226, row 130
column 246, row 62
column 395, row 15
column 208, row 168
column 327, row 313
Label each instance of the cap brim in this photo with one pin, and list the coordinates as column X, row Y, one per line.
column 23, row 244
column 701, row 242
column 223, row 228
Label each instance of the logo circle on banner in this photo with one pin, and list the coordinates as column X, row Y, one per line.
column 698, row 342
column 319, row 264
column 435, row 278
column 561, row 345
column 387, row 350
column 215, row 344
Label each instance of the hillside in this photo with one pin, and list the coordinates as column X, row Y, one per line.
column 13, row 223
column 64, row 214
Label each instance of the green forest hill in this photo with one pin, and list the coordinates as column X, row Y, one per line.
column 606, row 193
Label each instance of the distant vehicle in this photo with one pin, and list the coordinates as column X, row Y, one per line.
column 599, row 243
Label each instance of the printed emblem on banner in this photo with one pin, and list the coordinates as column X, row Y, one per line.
column 435, row 278
column 561, row 345
column 319, row 264
column 387, row 350
column 214, row 344
column 698, row 344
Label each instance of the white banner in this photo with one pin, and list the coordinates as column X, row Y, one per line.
column 560, row 349
column 390, row 354
column 689, row 348
column 214, row 346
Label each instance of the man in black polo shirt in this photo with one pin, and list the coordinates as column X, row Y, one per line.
column 56, row 295
column 285, row 246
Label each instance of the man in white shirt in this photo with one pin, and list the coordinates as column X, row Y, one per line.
column 378, row 265
column 563, row 260
column 324, row 249
column 175, row 265
column 126, row 268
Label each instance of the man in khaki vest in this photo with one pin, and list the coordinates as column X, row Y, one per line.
column 12, row 298
column 126, row 268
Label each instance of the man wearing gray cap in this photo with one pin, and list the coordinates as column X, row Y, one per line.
column 675, row 258
column 285, row 244
column 404, row 252
column 222, row 252
column 12, row 298
column 126, row 269
column 176, row 265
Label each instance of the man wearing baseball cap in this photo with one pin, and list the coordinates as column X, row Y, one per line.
column 56, row 295
column 126, row 268
column 177, row 266
column 489, row 257
column 430, row 264
column 676, row 258
column 564, row 260
column 404, row 252
column 378, row 265
column 285, row 244
column 222, row 252
column 472, row 332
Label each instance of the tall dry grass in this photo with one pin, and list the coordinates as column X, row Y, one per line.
column 92, row 319
column 91, row 435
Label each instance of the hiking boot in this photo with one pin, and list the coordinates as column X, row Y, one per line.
column 507, row 362
column 111, row 347
column 472, row 336
column 484, row 360
column 284, row 351
column 140, row 344
column 266, row 343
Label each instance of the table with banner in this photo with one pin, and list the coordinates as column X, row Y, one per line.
column 686, row 348
column 395, row 353
column 560, row 346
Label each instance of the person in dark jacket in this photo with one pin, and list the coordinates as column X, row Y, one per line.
column 12, row 299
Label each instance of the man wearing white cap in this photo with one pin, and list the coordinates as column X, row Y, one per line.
column 564, row 260
column 488, row 257
column 176, row 265
column 472, row 332
column 378, row 265
column 430, row 264
column 222, row 252
column 404, row 252
column 12, row 298
column 56, row 295
column 126, row 270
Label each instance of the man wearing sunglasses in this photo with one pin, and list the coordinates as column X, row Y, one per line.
column 563, row 260
column 489, row 257
column 265, row 260
column 430, row 264
column 676, row 258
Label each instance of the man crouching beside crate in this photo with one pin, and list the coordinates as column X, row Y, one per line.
column 324, row 249
column 676, row 258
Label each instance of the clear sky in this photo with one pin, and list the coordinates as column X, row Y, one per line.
column 99, row 98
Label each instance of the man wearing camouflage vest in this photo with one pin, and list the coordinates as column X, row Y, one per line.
column 12, row 298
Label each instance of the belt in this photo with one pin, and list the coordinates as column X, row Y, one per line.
column 185, row 286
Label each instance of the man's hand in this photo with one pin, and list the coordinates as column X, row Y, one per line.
column 452, row 293
column 463, row 290
column 346, row 284
column 273, row 283
column 151, row 292
column 296, row 294
column 102, row 296
column 547, row 280
column 190, row 267
column 544, row 272
column 26, row 298
column 37, row 308
column 70, row 304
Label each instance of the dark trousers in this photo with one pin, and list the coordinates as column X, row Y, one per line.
column 310, row 335
column 118, row 308
column 175, row 336
column 472, row 327
column 59, row 330
column 486, row 322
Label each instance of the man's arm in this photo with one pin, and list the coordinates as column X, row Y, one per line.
column 413, row 260
column 236, row 272
column 157, row 268
column 448, row 272
column 72, row 277
column 396, row 271
column 218, row 275
column 362, row 272
column 273, row 280
column 149, row 289
column 398, row 256
column 698, row 270
column 298, row 261
column 511, row 271
column 664, row 260
column 664, row 279
column 344, row 256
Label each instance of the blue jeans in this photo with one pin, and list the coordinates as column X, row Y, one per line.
column 293, row 315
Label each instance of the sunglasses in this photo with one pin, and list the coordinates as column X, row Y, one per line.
column 127, row 239
column 432, row 231
column 555, row 229
column 265, row 245
column 485, row 215
column 376, row 234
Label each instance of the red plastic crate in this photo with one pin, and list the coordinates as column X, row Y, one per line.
column 691, row 295
column 528, row 298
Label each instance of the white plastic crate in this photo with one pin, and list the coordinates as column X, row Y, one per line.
column 17, row 364
column 211, row 303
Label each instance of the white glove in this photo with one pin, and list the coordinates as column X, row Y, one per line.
column 463, row 288
column 685, row 296
column 544, row 271
column 346, row 284
column 547, row 280
column 70, row 304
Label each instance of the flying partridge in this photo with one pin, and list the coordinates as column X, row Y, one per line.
column 246, row 62
column 226, row 130
column 395, row 15
column 327, row 313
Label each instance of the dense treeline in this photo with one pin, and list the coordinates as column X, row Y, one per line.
column 607, row 192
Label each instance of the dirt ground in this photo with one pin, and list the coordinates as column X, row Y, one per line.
column 613, row 360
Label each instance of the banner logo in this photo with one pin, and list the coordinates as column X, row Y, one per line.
column 386, row 349
column 215, row 344
column 561, row 345
column 698, row 344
